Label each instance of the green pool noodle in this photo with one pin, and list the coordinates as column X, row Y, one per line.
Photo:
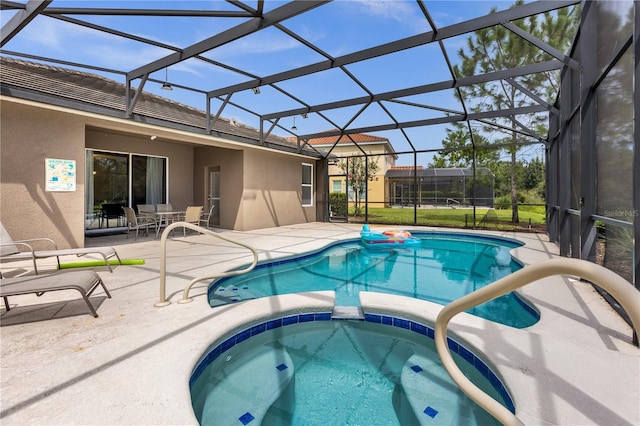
column 90, row 263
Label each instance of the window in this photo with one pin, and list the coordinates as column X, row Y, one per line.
column 125, row 179
column 337, row 185
column 307, row 185
column 148, row 180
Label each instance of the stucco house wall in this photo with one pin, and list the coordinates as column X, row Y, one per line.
column 259, row 187
column 180, row 159
column 377, row 190
column 231, row 164
column 272, row 194
column 28, row 136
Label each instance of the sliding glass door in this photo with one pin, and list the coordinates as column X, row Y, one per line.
column 116, row 179
column 148, row 180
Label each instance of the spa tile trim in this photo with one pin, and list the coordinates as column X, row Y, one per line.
column 403, row 323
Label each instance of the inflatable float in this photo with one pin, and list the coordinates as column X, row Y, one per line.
column 388, row 239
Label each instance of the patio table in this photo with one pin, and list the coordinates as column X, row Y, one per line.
column 165, row 218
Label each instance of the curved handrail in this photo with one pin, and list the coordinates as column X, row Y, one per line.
column 619, row 288
column 163, row 261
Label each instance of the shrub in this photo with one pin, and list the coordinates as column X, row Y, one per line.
column 338, row 204
column 503, row 202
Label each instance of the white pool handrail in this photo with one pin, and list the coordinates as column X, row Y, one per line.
column 619, row 288
column 163, row 262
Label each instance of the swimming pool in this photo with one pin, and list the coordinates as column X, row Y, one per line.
column 443, row 268
column 309, row 369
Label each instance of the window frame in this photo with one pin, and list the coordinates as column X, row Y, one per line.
column 306, row 185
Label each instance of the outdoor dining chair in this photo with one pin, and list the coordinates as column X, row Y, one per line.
column 192, row 215
column 138, row 221
column 206, row 217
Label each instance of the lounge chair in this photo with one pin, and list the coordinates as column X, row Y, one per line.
column 84, row 281
column 9, row 250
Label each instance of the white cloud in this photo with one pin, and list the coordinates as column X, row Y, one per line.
column 54, row 38
column 397, row 10
column 49, row 33
column 259, row 44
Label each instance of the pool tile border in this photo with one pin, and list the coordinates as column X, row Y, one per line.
column 393, row 321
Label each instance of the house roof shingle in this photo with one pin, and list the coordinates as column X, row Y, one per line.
column 348, row 139
column 21, row 78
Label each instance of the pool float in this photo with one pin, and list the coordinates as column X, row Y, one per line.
column 388, row 239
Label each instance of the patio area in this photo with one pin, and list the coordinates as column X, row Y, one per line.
column 131, row 365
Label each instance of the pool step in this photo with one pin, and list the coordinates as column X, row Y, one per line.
column 433, row 397
column 226, row 295
column 261, row 380
column 347, row 312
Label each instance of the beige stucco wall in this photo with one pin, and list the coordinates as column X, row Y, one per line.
column 180, row 158
column 384, row 161
column 29, row 135
column 377, row 192
column 259, row 188
column 231, row 167
column 272, row 193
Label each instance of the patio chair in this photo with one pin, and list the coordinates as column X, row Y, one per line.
column 192, row 215
column 111, row 211
column 86, row 282
column 206, row 217
column 138, row 222
column 164, row 207
column 146, row 209
column 9, row 250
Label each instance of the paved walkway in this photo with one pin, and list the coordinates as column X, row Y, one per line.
column 131, row 365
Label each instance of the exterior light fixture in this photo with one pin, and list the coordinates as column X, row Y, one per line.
column 294, row 124
column 166, row 85
column 304, row 115
column 256, row 90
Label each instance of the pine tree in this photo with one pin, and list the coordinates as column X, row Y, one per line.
column 458, row 150
column 497, row 48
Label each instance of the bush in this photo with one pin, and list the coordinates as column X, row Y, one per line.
column 503, row 202
column 338, row 204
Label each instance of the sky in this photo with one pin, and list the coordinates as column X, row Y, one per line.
column 338, row 28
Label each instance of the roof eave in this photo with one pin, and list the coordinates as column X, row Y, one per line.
column 39, row 97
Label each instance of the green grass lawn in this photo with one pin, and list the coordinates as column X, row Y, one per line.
column 457, row 218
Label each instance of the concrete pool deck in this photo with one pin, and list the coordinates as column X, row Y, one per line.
column 131, row 365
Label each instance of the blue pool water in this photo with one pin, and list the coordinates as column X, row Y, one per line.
column 443, row 268
column 310, row 370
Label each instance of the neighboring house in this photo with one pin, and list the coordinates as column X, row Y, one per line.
column 440, row 186
column 376, row 148
column 57, row 120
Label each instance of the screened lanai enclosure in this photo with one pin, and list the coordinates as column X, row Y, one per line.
column 440, row 187
column 538, row 97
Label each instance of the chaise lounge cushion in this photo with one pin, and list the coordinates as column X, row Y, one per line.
column 86, row 282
